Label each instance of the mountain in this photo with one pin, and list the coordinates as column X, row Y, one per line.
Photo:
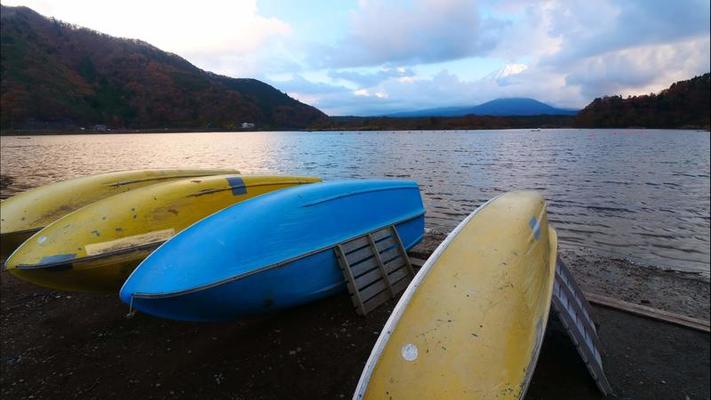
column 60, row 76
column 685, row 104
column 514, row 106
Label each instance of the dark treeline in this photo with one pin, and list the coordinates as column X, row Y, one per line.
column 685, row 104
column 442, row 123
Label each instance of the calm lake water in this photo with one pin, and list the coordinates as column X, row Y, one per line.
column 639, row 194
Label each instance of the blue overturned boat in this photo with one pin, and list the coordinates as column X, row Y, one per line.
column 271, row 252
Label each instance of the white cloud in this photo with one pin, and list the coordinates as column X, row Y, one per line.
column 594, row 28
column 211, row 33
column 443, row 89
column 418, row 31
column 565, row 52
column 639, row 70
column 370, row 79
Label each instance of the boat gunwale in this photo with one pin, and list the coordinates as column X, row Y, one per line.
column 59, row 264
column 139, row 295
column 246, row 186
column 161, row 178
column 409, row 186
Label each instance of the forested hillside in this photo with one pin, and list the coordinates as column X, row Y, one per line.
column 59, row 76
column 685, row 104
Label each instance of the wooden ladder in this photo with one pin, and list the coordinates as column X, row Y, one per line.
column 573, row 311
column 376, row 268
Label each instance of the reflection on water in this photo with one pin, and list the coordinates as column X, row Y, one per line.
column 630, row 193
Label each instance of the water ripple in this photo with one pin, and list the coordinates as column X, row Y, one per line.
column 643, row 194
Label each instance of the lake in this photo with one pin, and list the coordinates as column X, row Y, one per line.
column 637, row 194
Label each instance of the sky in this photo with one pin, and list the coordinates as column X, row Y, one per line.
column 367, row 57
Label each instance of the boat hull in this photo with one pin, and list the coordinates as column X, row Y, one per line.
column 471, row 323
column 95, row 248
column 26, row 213
column 280, row 254
column 271, row 289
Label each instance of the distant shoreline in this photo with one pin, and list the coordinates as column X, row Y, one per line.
column 8, row 133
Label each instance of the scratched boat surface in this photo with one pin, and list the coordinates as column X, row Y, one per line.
column 471, row 323
column 96, row 247
column 269, row 253
column 25, row 213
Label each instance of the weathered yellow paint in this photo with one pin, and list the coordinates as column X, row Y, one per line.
column 471, row 323
column 96, row 247
column 24, row 214
column 125, row 243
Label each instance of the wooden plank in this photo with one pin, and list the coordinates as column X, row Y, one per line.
column 381, row 267
column 569, row 280
column 384, row 296
column 566, row 301
column 368, row 278
column 360, row 255
column 379, row 286
column 374, row 274
column 370, row 291
column 579, row 333
column 381, row 234
column 364, row 267
column 355, row 244
column 394, row 264
column 343, row 262
column 371, row 264
column 388, row 255
column 398, row 275
column 649, row 312
column 386, row 244
column 376, row 301
column 402, row 250
column 565, row 292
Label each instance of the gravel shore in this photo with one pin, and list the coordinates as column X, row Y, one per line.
column 74, row 345
column 662, row 288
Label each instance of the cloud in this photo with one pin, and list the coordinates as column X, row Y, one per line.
column 588, row 28
column 420, row 31
column 606, row 47
column 441, row 90
column 369, row 79
column 639, row 70
column 335, row 99
column 447, row 89
column 212, row 34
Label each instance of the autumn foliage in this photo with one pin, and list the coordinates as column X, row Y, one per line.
column 60, row 76
column 685, row 104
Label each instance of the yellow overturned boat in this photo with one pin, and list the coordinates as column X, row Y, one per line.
column 96, row 247
column 471, row 323
column 24, row 214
